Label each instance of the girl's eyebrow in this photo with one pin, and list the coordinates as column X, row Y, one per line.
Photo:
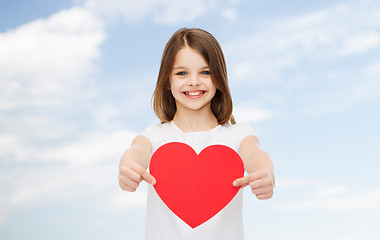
column 180, row 67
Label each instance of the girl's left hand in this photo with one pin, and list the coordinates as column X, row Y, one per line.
column 261, row 183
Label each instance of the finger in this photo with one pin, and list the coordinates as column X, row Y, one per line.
column 147, row 177
column 124, row 187
column 123, row 171
column 135, row 176
column 242, row 182
column 264, row 196
column 259, row 174
column 273, row 182
column 129, row 173
column 128, row 182
column 262, row 190
column 263, row 182
column 131, row 183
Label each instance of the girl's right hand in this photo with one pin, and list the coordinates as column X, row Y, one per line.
column 131, row 174
column 133, row 165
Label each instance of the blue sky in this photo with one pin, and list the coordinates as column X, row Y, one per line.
column 76, row 79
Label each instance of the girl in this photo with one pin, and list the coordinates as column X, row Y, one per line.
column 192, row 99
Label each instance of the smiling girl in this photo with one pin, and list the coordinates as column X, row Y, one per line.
column 193, row 101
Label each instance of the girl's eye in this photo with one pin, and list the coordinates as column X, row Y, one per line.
column 181, row 73
column 205, row 73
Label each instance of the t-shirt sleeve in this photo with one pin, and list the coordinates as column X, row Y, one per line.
column 242, row 130
column 152, row 132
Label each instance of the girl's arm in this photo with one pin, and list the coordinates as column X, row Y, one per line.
column 133, row 165
column 259, row 167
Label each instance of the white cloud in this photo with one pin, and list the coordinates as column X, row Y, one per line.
column 359, row 43
column 89, row 149
column 286, row 182
column 10, row 145
column 331, row 191
column 44, row 60
column 105, row 113
column 26, row 188
column 355, row 87
column 229, row 14
column 86, row 166
column 312, row 62
column 372, row 70
column 245, row 113
column 45, row 67
column 368, row 87
column 124, row 201
column 318, row 194
column 284, row 43
column 336, row 198
column 160, row 11
column 182, row 11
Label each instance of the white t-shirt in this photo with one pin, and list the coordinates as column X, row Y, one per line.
column 161, row 222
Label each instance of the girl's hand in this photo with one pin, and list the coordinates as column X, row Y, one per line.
column 261, row 183
column 133, row 165
column 131, row 174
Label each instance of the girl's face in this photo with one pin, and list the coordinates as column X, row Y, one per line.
column 190, row 81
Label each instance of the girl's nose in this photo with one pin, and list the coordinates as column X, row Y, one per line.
column 194, row 81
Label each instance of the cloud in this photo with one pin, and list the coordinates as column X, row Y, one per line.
column 43, row 61
column 317, row 194
column 83, row 167
column 313, row 62
column 368, row 87
column 88, row 149
column 124, row 201
column 331, row 191
column 304, row 194
column 10, row 145
column 45, row 70
column 245, row 113
column 36, row 187
column 229, row 14
column 160, row 11
column 284, row 43
column 286, row 182
column 363, row 200
column 359, row 43
column 33, row 187
column 372, row 70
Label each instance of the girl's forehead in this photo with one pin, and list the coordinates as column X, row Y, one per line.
column 189, row 56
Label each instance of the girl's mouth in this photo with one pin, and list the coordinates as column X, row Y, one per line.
column 194, row 93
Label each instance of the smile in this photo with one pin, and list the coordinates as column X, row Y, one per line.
column 194, row 93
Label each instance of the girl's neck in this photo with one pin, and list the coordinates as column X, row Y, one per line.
column 195, row 121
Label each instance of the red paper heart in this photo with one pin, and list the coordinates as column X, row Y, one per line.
column 195, row 187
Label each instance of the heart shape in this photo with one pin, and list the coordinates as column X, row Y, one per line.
column 195, row 187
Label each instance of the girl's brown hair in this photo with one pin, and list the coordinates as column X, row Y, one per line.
column 200, row 40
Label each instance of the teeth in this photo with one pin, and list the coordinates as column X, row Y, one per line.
column 194, row 93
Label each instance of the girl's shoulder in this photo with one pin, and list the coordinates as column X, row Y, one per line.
column 238, row 127
column 155, row 129
column 238, row 131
